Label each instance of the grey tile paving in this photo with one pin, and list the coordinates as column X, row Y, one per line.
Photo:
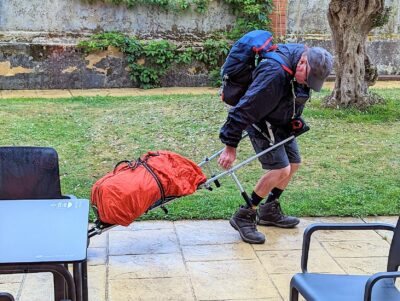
column 286, row 262
column 370, row 248
column 222, row 280
column 143, row 242
column 97, row 256
column 206, row 233
column 236, row 251
column 11, row 278
column 38, row 286
column 363, row 266
column 146, row 266
column 339, row 235
column 97, row 282
column 151, row 289
column 206, row 260
column 281, row 282
column 146, row 225
column 11, row 288
column 383, row 219
column 99, row 241
column 279, row 239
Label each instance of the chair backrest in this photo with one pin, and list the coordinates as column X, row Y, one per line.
column 29, row 173
column 394, row 253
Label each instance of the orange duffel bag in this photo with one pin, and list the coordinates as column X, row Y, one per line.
column 126, row 193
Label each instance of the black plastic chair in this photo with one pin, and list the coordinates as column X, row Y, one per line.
column 328, row 287
column 6, row 297
column 28, row 172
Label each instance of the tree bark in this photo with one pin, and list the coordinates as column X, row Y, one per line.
column 350, row 22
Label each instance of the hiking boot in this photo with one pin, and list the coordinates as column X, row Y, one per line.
column 244, row 221
column 270, row 214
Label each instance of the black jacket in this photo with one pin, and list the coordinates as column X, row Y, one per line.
column 269, row 97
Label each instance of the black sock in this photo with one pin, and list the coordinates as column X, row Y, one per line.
column 255, row 199
column 274, row 194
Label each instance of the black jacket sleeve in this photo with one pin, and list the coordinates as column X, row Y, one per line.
column 261, row 98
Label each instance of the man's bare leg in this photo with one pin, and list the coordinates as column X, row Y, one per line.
column 271, row 213
column 294, row 167
column 272, row 179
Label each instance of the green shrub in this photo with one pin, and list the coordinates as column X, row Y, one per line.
column 150, row 60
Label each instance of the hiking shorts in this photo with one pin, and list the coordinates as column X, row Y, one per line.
column 279, row 157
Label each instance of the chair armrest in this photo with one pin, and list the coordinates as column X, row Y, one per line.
column 6, row 296
column 329, row 226
column 374, row 279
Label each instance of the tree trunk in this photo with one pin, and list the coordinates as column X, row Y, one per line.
column 350, row 22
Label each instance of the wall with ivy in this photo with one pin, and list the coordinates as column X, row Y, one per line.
column 64, row 21
column 150, row 43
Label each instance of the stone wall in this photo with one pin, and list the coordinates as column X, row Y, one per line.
column 307, row 23
column 308, row 17
column 38, row 39
column 65, row 20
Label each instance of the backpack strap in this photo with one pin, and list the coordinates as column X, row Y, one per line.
column 266, row 43
column 144, row 163
column 281, row 59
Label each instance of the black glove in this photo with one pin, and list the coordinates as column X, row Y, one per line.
column 298, row 126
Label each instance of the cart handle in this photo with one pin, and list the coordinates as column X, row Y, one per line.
column 208, row 159
column 247, row 161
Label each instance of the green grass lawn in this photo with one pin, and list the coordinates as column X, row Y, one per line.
column 351, row 159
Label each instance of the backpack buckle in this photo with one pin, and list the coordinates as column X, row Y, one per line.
column 256, row 59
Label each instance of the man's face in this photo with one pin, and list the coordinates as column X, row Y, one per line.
column 302, row 70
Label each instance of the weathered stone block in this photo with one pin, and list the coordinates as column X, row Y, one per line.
column 38, row 40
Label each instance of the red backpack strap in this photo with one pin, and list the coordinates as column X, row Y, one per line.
column 255, row 49
column 282, row 60
column 287, row 69
column 272, row 48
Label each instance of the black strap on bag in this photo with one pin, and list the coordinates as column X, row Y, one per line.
column 156, row 178
column 130, row 164
column 134, row 164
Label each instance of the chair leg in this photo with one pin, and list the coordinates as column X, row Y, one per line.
column 294, row 294
column 85, row 281
column 66, row 266
column 59, row 287
column 78, row 281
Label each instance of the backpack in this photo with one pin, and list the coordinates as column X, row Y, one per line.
column 242, row 59
column 125, row 193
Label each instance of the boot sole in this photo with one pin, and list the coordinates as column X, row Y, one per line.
column 235, row 226
column 264, row 223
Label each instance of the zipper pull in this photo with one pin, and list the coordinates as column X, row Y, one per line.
column 294, row 100
column 225, row 79
column 257, row 57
